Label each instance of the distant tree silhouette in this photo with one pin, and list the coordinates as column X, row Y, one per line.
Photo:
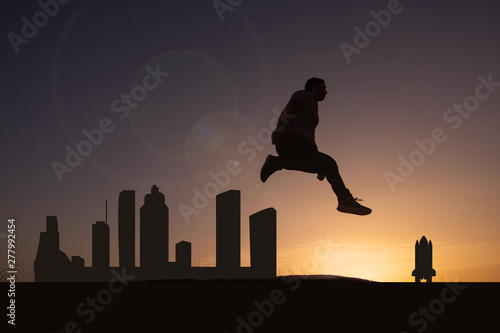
column 196, row 262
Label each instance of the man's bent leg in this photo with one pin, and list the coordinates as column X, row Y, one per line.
column 295, row 153
column 270, row 166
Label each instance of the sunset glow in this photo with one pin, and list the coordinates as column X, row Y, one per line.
column 411, row 119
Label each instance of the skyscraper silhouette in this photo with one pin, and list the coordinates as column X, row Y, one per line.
column 126, row 228
column 183, row 254
column 263, row 243
column 51, row 264
column 52, row 234
column 154, row 231
column 227, row 232
column 423, row 261
column 100, row 245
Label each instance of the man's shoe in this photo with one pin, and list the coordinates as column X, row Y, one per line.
column 270, row 166
column 351, row 206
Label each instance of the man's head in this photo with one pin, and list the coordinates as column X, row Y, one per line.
column 317, row 86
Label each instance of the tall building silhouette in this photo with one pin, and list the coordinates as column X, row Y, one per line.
column 51, row 264
column 263, row 243
column 126, row 228
column 100, row 245
column 154, row 231
column 423, row 261
column 183, row 254
column 52, row 234
column 227, row 232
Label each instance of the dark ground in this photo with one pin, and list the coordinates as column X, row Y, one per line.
column 287, row 304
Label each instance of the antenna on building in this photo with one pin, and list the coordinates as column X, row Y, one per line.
column 106, row 211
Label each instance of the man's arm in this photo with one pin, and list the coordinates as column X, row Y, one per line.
column 287, row 115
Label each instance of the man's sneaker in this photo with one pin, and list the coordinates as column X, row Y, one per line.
column 270, row 166
column 352, row 206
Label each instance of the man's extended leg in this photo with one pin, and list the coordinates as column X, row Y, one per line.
column 331, row 171
column 347, row 204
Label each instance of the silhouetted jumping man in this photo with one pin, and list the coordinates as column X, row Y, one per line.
column 297, row 149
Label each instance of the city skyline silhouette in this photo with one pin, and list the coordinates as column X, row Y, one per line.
column 53, row 265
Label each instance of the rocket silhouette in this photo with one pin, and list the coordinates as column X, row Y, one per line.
column 423, row 261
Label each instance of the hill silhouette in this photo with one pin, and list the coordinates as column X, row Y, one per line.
column 327, row 278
